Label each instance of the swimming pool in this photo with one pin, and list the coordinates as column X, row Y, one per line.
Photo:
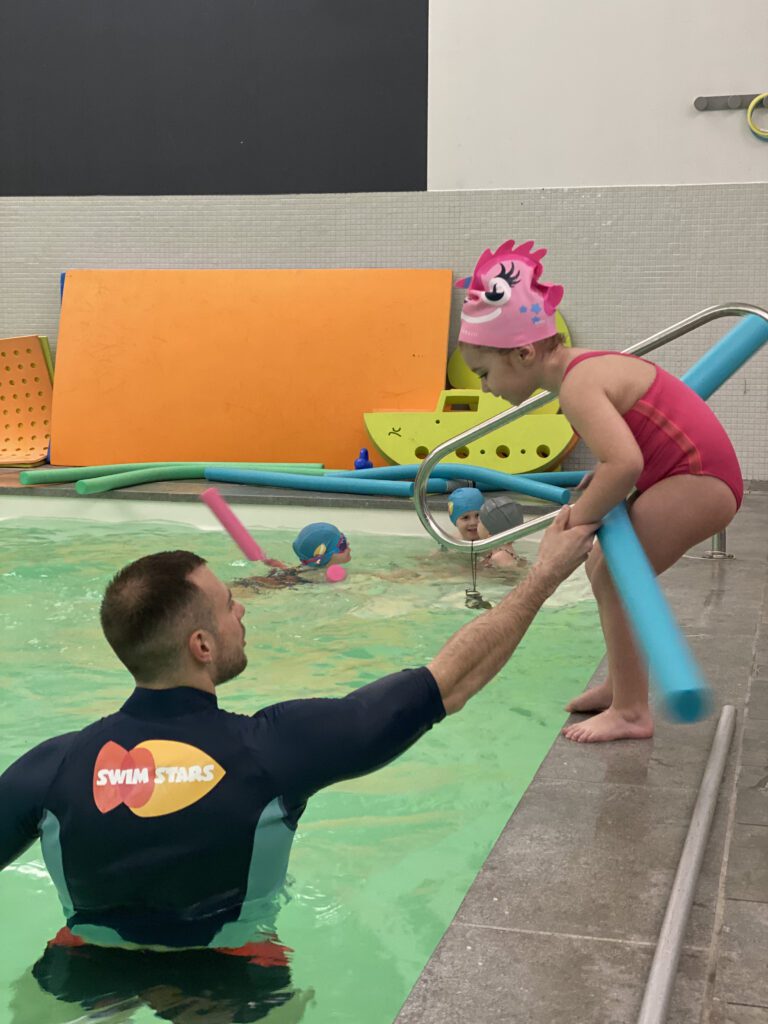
column 380, row 864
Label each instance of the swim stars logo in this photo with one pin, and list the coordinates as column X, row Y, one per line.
column 156, row 777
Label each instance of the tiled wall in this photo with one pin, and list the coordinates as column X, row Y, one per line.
column 633, row 260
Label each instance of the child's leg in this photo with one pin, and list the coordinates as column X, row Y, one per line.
column 669, row 519
column 596, row 698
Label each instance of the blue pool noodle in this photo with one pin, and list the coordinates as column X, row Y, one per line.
column 489, row 479
column 675, row 672
column 727, row 356
column 492, row 480
column 506, row 481
column 377, row 473
column 560, row 478
column 339, row 485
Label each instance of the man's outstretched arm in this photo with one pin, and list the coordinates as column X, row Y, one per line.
column 319, row 741
column 474, row 655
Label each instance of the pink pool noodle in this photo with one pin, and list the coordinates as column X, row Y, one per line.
column 335, row 573
column 234, row 527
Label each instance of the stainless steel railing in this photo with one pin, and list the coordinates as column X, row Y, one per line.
column 501, row 419
column 661, row 977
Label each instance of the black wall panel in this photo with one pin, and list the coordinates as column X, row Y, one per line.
column 163, row 97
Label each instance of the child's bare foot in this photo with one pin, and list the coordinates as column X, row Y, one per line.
column 596, row 698
column 612, row 724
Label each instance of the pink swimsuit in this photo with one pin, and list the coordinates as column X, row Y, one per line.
column 677, row 432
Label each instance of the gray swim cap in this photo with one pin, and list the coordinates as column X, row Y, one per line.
column 500, row 513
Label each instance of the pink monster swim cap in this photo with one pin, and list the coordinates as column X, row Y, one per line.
column 506, row 305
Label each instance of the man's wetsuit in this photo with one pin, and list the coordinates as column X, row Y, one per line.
column 170, row 823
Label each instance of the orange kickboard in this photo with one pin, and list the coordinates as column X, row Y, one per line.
column 241, row 365
column 25, row 400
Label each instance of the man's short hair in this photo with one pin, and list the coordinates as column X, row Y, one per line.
column 149, row 610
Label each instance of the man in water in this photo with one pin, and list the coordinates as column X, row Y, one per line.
column 168, row 824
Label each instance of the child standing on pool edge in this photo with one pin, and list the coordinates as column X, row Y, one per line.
column 646, row 428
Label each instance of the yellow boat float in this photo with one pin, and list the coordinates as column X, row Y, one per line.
column 535, row 442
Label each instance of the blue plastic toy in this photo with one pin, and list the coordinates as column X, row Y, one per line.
column 362, row 461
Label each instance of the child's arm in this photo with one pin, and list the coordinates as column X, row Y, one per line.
column 506, row 558
column 603, row 429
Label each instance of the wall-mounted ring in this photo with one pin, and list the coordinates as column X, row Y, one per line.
column 761, row 133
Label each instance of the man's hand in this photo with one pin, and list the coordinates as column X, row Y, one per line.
column 473, row 656
column 562, row 549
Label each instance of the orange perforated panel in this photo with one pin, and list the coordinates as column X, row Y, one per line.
column 25, row 400
column 241, row 365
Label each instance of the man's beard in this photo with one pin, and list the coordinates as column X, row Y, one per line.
column 230, row 667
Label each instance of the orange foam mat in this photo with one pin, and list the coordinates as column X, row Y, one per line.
column 241, row 365
column 25, row 400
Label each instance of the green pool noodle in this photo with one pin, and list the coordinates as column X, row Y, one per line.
column 193, row 471
column 70, row 474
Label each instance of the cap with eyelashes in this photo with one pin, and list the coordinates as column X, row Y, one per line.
column 506, row 305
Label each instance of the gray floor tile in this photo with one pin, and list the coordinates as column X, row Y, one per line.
column 758, row 704
column 745, row 1014
column 755, row 750
column 674, row 758
column 752, row 801
column 748, row 864
column 720, row 600
column 726, row 662
column 599, row 863
column 761, row 652
column 737, row 625
column 487, row 976
column 743, row 968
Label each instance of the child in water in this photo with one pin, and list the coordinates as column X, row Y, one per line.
column 320, row 545
column 647, row 430
column 497, row 515
column 465, row 507
column 317, row 546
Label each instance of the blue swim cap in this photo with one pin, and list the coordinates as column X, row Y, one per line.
column 317, row 543
column 464, row 499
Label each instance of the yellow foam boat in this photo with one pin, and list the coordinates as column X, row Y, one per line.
column 535, row 442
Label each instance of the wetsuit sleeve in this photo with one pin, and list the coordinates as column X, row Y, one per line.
column 23, row 788
column 321, row 741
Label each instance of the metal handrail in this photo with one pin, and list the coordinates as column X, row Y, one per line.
column 661, row 977
column 501, row 419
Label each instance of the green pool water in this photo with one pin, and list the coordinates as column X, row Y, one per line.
column 380, row 864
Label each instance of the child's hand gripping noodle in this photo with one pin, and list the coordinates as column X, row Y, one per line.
column 237, row 531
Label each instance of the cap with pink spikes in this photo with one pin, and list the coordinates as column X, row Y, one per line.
column 506, row 305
